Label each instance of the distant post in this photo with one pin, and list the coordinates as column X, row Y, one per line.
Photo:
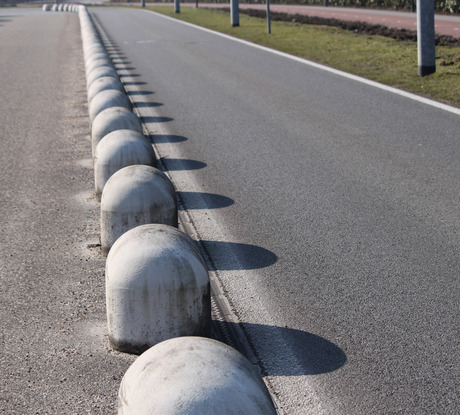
column 425, row 37
column 235, row 12
column 143, row 3
column 177, row 6
column 269, row 25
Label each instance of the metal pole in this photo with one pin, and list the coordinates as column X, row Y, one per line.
column 235, row 13
column 269, row 26
column 143, row 3
column 425, row 37
column 177, row 6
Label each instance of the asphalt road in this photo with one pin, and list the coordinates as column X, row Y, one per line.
column 54, row 354
column 329, row 208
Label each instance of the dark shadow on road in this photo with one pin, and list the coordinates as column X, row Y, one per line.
column 147, row 104
column 167, row 139
column 149, row 119
column 140, row 93
column 134, row 75
column 197, row 200
column 135, row 83
column 226, row 256
column 182, row 164
column 308, row 353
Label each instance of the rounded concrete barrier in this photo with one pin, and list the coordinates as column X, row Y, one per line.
column 119, row 149
column 134, row 196
column 93, row 47
column 89, row 34
column 99, row 72
column 112, row 119
column 102, row 84
column 96, row 54
column 157, row 288
column 46, row 7
column 98, row 61
column 91, row 41
column 55, row 8
column 108, row 99
column 193, row 376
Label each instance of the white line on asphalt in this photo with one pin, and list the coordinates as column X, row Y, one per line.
column 356, row 78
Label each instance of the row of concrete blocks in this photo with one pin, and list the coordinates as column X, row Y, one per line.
column 157, row 283
column 62, row 7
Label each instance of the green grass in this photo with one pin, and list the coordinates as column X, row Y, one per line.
column 384, row 60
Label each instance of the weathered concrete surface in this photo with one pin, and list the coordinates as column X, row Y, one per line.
column 54, row 354
column 164, row 381
column 119, row 149
column 157, row 288
column 136, row 195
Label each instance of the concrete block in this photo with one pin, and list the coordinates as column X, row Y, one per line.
column 157, row 288
column 111, row 119
column 97, row 60
column 193, row 376
column 119, row 149
column 92, row 47
column 108, row 99
column 134, row 196
column 99, row 73
column 102, row 84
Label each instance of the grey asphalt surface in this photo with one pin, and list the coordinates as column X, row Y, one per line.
column 54, row 355
column 329, row 209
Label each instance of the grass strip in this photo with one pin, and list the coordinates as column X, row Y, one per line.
column 385, row 60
